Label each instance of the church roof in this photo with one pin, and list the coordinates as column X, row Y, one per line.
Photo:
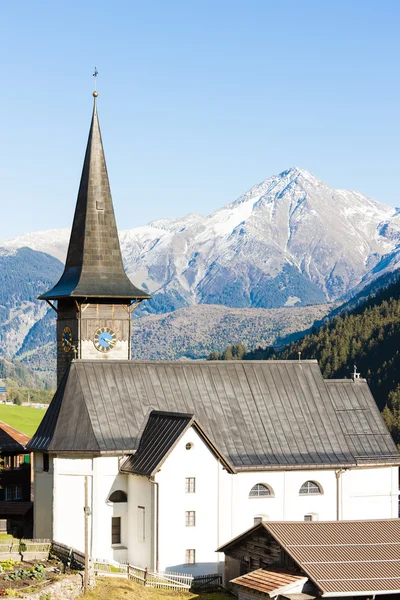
column 256, row 414
column 162, row 432
column 94, row 268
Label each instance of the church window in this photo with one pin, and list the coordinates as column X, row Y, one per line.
column 141, row 524
column 118, row 496
column 115, row 530
column 260, row 490
column 190, row 485
column 310, row 487
column 190, row 558
column 190, row 518
column 189, row 446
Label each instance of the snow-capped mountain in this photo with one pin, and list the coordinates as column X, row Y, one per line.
column 290, row 240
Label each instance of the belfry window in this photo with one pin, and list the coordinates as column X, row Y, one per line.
column 309, row 488
column 260, row 490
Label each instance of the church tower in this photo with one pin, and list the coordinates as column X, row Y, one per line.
column 94, row 296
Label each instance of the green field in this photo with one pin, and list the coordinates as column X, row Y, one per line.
column 23, row 418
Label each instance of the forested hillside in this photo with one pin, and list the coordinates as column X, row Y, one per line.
column 368, row 337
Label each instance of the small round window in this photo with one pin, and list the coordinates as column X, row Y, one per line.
column 189, row 446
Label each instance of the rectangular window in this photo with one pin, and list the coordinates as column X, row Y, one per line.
column 18, row 492
column 190, row 485
column 141, row 525
column 190, row 518
column 8, row 462
column 309, row 517
column 46, row 462
column 115, row 530
column 9, row 493
column 190, row 558
column 18, row 460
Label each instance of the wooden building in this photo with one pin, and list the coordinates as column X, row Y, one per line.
column 16, row 491
column 340, row 559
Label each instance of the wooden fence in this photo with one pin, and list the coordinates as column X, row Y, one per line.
column 68, row 556
column 25, row 549
column 206, row 582
column 159, row 580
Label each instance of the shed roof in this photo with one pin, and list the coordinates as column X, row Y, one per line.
column 341, row 557
column 12, row 440
column 269, row 581
column 258, row 414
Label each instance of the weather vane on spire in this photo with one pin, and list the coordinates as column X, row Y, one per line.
column 95, row 94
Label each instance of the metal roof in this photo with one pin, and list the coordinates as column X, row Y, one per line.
column 340, row 557
column 257, row 414
column 162, row 432
column 94, row 268
column 12, row 440
column 269, row 581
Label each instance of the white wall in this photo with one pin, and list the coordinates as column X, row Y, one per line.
column 68, row 515
column 370, row 493
column 141, row 494
column 174, row 536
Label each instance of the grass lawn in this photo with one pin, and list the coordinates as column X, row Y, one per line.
column 108, row 588
column 23, row 418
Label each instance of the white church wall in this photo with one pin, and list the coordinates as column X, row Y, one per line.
column 69, row 500
column 370, row 493
column 106, row 480
column 174, row 536
column 141, row 522
column 43, row 504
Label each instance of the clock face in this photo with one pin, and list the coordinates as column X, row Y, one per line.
column 66, row 339
column 104, row 339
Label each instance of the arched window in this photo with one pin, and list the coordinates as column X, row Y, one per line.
column 260, row 490
column 310, row 487
column 118, row 496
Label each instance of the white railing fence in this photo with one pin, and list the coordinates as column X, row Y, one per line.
column 159, row 580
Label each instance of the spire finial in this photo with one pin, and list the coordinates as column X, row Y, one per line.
column 95, row 94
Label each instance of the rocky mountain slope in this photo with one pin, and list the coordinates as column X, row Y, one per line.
column 289, row 241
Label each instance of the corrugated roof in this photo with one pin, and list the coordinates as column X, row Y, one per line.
column 258, row 414
column 268, row 581
column 160, row 435
column 11, row 439
column 344, row 556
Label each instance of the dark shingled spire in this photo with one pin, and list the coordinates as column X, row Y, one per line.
column 94, row 268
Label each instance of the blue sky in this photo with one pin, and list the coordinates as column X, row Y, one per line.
column 198, row 101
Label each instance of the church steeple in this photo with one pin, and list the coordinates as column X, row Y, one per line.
column 94, row 268
column 94, row 296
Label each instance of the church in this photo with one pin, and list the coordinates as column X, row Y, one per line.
column 181, row 457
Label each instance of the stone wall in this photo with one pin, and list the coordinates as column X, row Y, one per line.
column 68, row 588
